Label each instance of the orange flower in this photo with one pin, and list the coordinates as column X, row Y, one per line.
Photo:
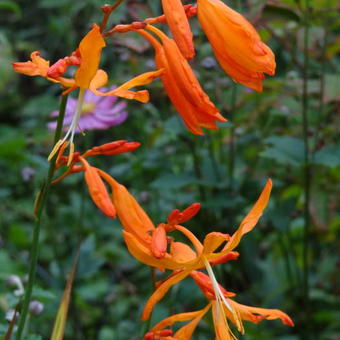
column 150, row 246
column 97, row 189
column 181, row 85
column 178, row 22
column 187, row 260
column 236, row 44
column 93, row 176
column 87, row 76
column 220, row 303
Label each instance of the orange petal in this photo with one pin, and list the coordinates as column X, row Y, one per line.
column 140, row 251
column 159, row 242
column 66, row 82
column 37, row 67
column 213, row 240
column 178, row 22
column 186, row 94
column 123, row 90
column 143, row 254
column 185, row 332
column 141, row 96
column 99, row 80
column 98, row 192
column 193, row 239
column 90, row 49
column 222, row 330
column 181, row 252
column 185, row 77
column 142, row 79
column 249, row 222
column 132, row 216
column 181, row 317
column 161, row 291
column 256, row 314
column 232, row 255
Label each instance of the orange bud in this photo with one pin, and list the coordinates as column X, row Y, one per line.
column 113, row 148
column 236, row 44
column 190, row 212
column 176, row 217
column 98, row 191
column 57, row 69
column 106, row 8
column 36, row 67
column 60, row 67
column 179, row 25
column 159, row 242
column 157, row 335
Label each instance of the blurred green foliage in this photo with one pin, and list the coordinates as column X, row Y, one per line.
column 224, row 170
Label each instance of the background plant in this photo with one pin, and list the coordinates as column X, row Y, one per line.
column 223, row 170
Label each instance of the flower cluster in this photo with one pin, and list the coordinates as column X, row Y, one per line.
column 241, row 53
column 153, row 246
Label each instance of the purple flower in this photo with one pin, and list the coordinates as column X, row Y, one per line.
column 98, row 113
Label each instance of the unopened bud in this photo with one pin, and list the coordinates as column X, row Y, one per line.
column 14, row 281
column 36, row 307
column 106, row 8
column 10, row 315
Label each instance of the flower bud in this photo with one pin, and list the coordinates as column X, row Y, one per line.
column 14, row 281
column 10, row 315
column 36, row 307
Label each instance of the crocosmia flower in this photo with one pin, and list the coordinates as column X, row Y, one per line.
column 98, row 113
column 178, row 22
column 87, row 76
column 182, row 86
column 236, row 44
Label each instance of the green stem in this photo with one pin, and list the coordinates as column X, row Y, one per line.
column 306, row 166
column 214, row 162
column 40, row 203
column 231, row 164
column 147, row 324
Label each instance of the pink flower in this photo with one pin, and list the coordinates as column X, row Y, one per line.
column 98, row 113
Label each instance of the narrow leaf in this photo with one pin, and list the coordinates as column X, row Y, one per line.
column 60, row 321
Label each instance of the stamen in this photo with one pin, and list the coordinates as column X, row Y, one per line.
column 70, row 155
column 71, row 130
column 55, row 149
column 220, row 298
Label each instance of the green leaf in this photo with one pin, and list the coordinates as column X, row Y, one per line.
column 328, row 156
column 60, row 321
column 89, row 262
column 284, row 149
column 171, row 181
column 11, row 6
column 274, row 11
column 332, row 87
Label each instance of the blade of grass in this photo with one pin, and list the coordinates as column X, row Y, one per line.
column 61, row 318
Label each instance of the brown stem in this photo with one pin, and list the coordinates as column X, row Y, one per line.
column 107, row 10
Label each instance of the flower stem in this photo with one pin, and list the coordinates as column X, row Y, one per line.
column 306, row 167
column 231, row 164
column 39, row 206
